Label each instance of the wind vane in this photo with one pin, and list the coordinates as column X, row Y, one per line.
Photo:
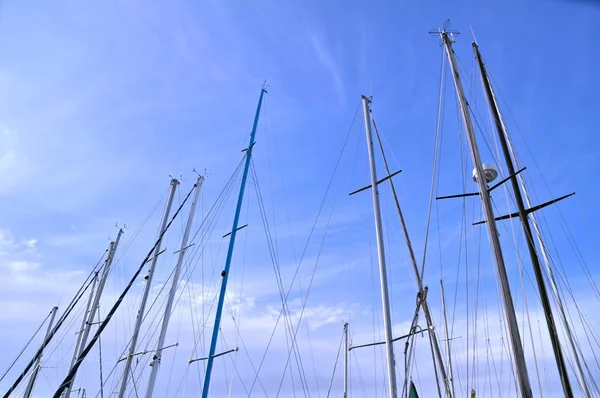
column 445, row 30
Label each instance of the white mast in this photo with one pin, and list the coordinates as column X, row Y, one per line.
column 95, row 304
column 422, row 294
column 346, row 374
column 140, row 314
column 165, row 323
column 29, row 388
column 387, row 323
column 481, row 179
column 85, row 318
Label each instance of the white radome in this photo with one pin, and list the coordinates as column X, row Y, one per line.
column 489, row 171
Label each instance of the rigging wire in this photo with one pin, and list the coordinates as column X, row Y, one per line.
column 510, row 199
column 410, row 348
column 26, row 345
column 286, row 314
column 51, row 334
column 569, row 235
column 554, row 163
column 438, row 134
column 161, row 289
column 73, row 371
column 208, row 224
column 508, row 195
column 312, row 277
column 308, row 241
column 153, row 321
column 186, row 270
column 362, row 382
column 100, row 362
column 337, row 357
column 575, row 348
column 272, row 137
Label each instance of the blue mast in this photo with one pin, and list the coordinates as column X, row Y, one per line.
column 225, row 273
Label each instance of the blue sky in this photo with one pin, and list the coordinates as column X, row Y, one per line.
column 101, row 101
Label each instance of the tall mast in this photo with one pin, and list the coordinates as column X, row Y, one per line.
column 85, row 319
column 509, row 308
column 582, row 378
column 94, row 307
column 346, row 374
column 535, row 261
column 570, row 336
column 422, row 295
column 147, row 287
column 387, row 323
column 165, row 323
column 523, row 215
column 29, row 388
column 225, row 272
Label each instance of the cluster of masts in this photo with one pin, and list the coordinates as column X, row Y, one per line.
column 524, row 213
column 97, row 283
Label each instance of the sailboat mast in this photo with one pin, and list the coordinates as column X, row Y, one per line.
column 570, row 337
column 346, row 352
column 582, row 378
column 168, row 308
column 95, row 304
column 537, row 269
column 387, row 323
column 509, row 308
column 225, row 272
column 85, row 318
column 29, row 388
column 422, row 295
column 147, row 287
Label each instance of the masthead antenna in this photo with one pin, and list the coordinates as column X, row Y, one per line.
column 473, row 34
column 445, row 31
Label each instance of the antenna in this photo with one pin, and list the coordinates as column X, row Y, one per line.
column 201, row 175
column 124, row 227
column 445, row 29
column 473, row 34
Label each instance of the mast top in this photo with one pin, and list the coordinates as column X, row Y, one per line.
column 445, row 31
column 265, row 86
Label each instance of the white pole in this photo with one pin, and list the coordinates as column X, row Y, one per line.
column 509, row 308
column 84, row 319
column 387, row 323
column 140, row 314
column 346, row 375
column 168, row 308
column 29, row 388
column 95, row 305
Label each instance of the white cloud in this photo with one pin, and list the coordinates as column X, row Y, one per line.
column 326, row 58
column 21, row 265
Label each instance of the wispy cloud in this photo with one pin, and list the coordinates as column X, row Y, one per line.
column 326, row 58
